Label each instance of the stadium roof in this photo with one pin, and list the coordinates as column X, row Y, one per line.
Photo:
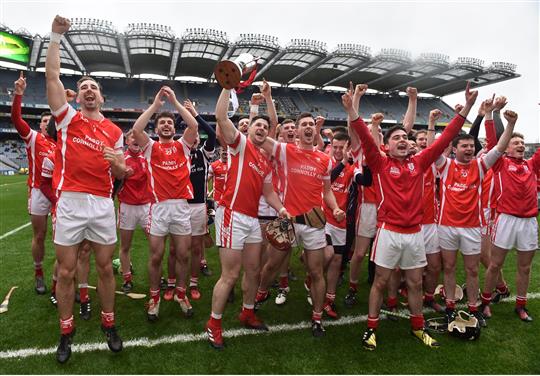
column 94, row 45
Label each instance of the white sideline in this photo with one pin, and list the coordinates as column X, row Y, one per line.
column 18, row 182
column 183, row 338
column 15, row 230
column 178, row 338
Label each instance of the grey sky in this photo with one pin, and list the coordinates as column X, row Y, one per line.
column 490, row 30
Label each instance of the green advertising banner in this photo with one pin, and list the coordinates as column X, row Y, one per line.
column 14, row 48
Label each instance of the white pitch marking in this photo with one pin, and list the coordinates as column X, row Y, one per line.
column 15, row 230
column 178, row 338
column 6, row 184
column 184, row 338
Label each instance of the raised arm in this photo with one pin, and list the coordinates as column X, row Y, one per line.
column 254, row 103
column 192, row 130
column 475, row 128
column 434, row 115
column 376, row 121
column 358, row 92
column 16, row 114
column 491, row 137
column 55, row 89
column 210, row 143
column 500, row 102
column 410, row 115
column 371, row 149
column 319, row 142
column 431, row 153
column 225, row 126
column 266, row 91
column 140, row 124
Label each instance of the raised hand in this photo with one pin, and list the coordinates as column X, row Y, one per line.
column 159, row 99
column 458, row 107
column 266, row 90
column 347, row 101
column 327, row 132
column 60, row 25
column 435, row 115
column 499, row 103
column 190, row 107
column 377, row 118
column 510, row 116
column 170, row 95
column 360, row 90
column 319, row 121
column 20, row 84
column 470, row 95
column 256, row 99
column 488, row 104
column 412, row 92
column 70, row 95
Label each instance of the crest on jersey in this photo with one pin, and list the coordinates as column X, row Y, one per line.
column 395, row 171
column 464, row 173
column 512, row 168
column 411, row 166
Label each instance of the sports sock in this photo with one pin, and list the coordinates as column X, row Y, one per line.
column 417, row 322
column 83, row 292
column 67, row 325
column 107, row 319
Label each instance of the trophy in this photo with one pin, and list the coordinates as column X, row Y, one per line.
column 229, row 73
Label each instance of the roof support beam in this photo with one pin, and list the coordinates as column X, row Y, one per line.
column 71, row 51
column 425, row 76
column 124, row 54
column 174, row 58
column 310, row 69
column 269, row 64
column 466, row 77
column 359, row 66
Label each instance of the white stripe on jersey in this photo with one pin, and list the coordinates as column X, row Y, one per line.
column 242, row 153
column 63, row 137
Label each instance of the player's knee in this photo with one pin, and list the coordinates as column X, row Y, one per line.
column 472, row 270
column 66, row 273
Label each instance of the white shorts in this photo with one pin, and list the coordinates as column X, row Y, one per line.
column 431, row 238
column 234, row 229
column 466, row 239
column 38, row 204
column 170, row 217
column 393, row 249
column 199, row 219
column 312, row 238
column 131, row 215
column 338, row 235
column 82, row 216
column 366, row 226
column 266, row 212
column 510, row 232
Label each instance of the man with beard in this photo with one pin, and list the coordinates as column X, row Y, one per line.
column 461, row 217
column 399, row 242
column 168, row 174
column 238, row 233
column 134, row 205
column 306, row 183
column 88, row 157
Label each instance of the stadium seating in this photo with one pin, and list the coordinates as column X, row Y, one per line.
column 137, row 94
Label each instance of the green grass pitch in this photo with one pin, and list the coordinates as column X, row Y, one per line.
column 507, row 346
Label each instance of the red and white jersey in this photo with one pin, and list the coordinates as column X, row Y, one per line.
column 80, row 165
column 517, row 181
column 401, row 182
column 340, row 187
column 366, row 194
column 38, row 146
column 218, row 170
column 490, row 191
column 304, row 172
column 248, row 171
column 461, row 187
column 430, row 203
column 47, row 167
column 169, row 166
column 135, row 190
